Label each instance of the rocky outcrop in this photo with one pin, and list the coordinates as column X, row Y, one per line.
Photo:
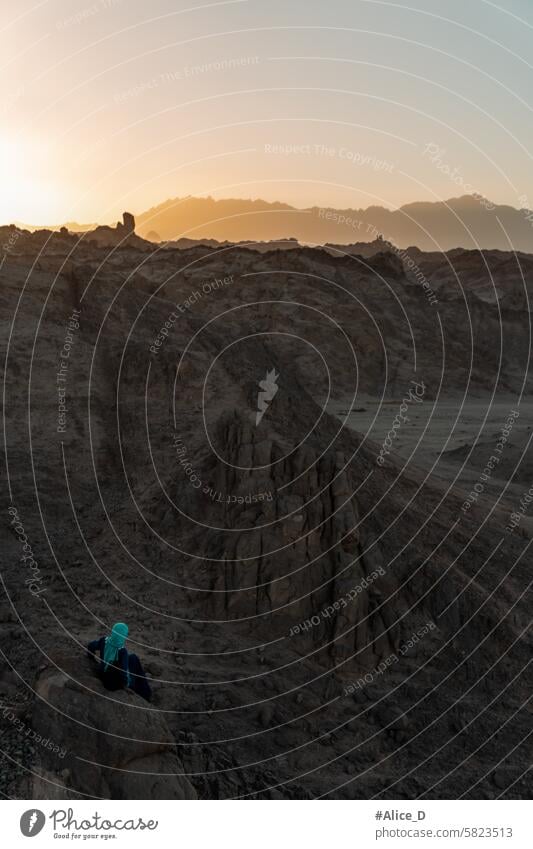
column 109, row 745
column 121, row 235
column 301, row 510
column 128, row 223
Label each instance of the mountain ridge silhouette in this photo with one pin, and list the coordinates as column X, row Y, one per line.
column 468, row 221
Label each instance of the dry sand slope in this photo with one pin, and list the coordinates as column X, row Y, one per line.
column 315, row 621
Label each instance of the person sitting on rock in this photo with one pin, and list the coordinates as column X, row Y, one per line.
column 118, row 668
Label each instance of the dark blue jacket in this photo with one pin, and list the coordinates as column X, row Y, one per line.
column 115, row 677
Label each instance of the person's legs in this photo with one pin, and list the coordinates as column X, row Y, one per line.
column 138, row 682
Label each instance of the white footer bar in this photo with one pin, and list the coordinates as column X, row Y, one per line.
column 268, row 824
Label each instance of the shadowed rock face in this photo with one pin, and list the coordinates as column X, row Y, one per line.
column 112, row 745
column 128, row 223
column 318, row 524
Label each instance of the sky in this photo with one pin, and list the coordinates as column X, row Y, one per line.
column 109, row 105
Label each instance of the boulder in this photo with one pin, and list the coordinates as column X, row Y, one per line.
column 97, row 743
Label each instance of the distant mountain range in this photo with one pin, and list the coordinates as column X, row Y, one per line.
column 468, row 221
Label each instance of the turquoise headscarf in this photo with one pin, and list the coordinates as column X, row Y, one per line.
column 114, row 643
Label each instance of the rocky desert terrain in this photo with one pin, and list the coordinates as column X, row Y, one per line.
column 319, row 612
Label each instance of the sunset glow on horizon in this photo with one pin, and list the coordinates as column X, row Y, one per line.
column 110, row 105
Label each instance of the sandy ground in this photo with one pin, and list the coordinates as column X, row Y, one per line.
column 436, row 429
